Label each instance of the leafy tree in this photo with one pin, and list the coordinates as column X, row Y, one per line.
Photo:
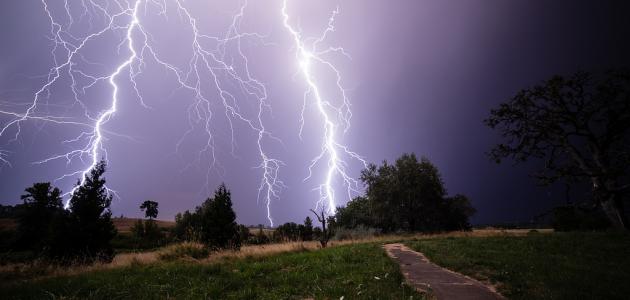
column 42, row 205
column 150, row 209
column 188, row 225
column 218, row 221
column 307, row 232
column 457, row 211
column 580, row 127
column 289, row 231
column 90, row 227
column 405, row 196
column 357, row 212
column 138, row 229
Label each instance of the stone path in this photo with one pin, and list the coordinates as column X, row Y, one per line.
column 441, row 283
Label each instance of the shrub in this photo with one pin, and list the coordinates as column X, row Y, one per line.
column 359, row 232
column 184, row 250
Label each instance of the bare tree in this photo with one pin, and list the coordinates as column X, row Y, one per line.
column 326, row 232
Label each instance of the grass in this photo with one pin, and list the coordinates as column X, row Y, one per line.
column 353, row 271
column 540, row 266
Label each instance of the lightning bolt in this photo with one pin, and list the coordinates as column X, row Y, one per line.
column 210, row 63
column 335, row 113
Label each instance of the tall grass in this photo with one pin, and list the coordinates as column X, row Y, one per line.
column 38, row 269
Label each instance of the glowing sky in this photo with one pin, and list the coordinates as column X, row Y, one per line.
column 419, row 76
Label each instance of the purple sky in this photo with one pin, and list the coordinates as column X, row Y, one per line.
column 421, row 78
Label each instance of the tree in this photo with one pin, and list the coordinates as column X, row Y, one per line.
column 405, row 196
column 188, row 225
column 91, row 228
column 326, row 233
column 307, row 233
column 457, row 211
column 138, row 229
column 150, row 209
column 580, row 127
column 356, row 212
column 289, row 231
column 218, row 221
column 42, row 204
column 148, row 232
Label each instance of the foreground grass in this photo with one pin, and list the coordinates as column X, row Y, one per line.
column 353, row 271
column 540, row 266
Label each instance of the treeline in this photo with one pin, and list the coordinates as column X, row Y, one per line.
column 81, row 233
column 408, row 196
column 213, row 223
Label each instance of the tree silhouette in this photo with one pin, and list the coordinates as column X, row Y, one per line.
column 407, row 195
column 42, row 204
column 307, row 233
column 91, row 227
column 218, row 221
column 580, row 127
column 150, row 209
column 326, row 232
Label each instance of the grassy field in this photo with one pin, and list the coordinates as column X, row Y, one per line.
column 358, row 271
column 540, row 266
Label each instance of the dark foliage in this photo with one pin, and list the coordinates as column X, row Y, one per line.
column 243, row 232
column 41, row 210
column 580, row 127
column 307, row 230
column 260, row 238
column 575, row 218
column 10, row 212
column 213, row 223
column 87, row 230
column 147, row 234
column 150, row 209
column 287, row 232
column 406, row 196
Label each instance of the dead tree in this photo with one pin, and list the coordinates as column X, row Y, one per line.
column 326, row 233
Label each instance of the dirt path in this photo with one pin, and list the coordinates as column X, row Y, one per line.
column 441, row 283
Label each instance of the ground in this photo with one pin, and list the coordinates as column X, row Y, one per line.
column 540, row 266
column 518, row 264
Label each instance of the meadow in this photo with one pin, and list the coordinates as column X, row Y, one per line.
column 575, row 265
column 521, row 264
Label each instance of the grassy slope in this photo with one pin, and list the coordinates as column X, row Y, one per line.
column 541, row 266
column 330, row 273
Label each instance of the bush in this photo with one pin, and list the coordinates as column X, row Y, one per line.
column 260, row 238
column 184, row 250
column 359, row 232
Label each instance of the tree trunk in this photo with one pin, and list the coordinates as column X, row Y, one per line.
column 614, row 214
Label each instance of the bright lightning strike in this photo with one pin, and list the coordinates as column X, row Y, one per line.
column 335, row 117
column 210, row 72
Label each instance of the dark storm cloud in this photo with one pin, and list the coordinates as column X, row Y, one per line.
column 423, row 76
